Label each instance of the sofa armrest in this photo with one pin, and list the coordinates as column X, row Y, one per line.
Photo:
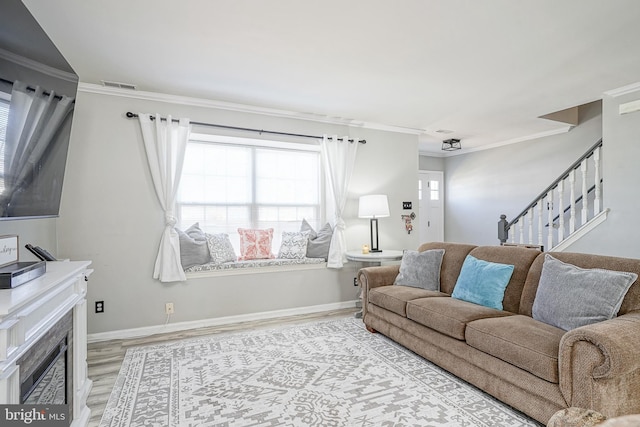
column 600, row 367
column 374, row 277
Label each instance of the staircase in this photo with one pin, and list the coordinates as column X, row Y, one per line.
column 565, row 210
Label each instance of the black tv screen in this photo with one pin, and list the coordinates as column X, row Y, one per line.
column 37, row 100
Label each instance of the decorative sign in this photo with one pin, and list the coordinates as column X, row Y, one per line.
column 8, row 250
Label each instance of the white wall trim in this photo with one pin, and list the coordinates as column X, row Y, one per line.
column 182, row 326
column 38, row 66
column 560, row 130
column 581, row 232
column 243, row 108
column 624, row 90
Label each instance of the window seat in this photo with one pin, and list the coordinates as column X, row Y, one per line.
column 254, row 266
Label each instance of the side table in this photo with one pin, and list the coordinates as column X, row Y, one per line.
column 370, row 260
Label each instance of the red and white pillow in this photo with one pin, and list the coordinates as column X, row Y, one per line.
column 255, row 244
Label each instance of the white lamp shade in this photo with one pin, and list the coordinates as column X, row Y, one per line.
column 373, row 206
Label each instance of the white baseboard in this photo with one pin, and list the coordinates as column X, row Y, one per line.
column 182, row 326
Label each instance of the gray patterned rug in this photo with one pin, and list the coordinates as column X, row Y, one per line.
column 324, row 374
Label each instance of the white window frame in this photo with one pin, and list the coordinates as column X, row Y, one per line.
column 5, row 98
column 262, row 143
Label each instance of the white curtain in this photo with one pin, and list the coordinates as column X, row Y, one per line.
column 338, row 156
column 165, row 142
column 34, row 120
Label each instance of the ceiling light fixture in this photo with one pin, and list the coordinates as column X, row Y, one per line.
column 451, row 144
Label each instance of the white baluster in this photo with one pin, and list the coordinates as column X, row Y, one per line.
column 585, row 192
column 540, row 222
column 521, row 229
column 531, row 225
column 596, row 201
column 560, row 211
column 550, row 219
column 572, row 193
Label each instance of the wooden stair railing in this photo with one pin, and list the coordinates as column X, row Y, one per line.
column 550, row 205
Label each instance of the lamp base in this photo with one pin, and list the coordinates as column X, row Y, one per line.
column 375, row 250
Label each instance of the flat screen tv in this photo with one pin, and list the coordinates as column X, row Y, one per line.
column 37, row 98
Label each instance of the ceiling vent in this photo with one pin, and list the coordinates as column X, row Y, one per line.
column 118, row 85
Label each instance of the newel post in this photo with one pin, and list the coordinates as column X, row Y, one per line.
column 503, row 230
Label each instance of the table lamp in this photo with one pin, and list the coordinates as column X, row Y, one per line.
column 373, row 206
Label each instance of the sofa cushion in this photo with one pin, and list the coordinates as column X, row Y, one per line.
column 520, row 341
column 421, row 269
column 394, row 298
column 449, row 315
column 569, row 296
column 482, row 282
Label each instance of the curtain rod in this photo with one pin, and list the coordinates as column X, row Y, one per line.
column 131, row 115
column 44, row 92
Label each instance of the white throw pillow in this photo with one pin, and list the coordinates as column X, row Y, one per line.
column 294, row 245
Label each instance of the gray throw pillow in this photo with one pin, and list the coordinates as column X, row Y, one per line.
column 421, row 269
column 193, row 246
column 569, row 296
column 220, row 248
column 318, row 246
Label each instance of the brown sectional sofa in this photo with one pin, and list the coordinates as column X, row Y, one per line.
column 534, row 367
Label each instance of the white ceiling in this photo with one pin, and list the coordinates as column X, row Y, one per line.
column 485, row 69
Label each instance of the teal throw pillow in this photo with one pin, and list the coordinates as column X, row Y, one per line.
column 482, row 282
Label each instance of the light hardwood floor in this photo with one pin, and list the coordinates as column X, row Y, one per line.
column 105, row 358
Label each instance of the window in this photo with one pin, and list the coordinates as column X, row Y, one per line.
column 230, row 183
column 4, row 119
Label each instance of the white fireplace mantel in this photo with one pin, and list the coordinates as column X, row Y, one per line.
column 29, row 311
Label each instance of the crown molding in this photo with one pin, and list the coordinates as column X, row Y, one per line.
column 38, row 66
column 563, row 129
column 242, row 108
column 624, row 90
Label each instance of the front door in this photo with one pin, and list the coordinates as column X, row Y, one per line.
column 430, row 196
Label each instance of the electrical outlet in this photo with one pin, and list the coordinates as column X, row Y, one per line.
column 99, row 306
column 168, row 308
column 355, row 281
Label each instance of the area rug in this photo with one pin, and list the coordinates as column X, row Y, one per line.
column 323, row 373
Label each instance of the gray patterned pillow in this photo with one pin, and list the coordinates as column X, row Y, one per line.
column 569, row 296
column 294, row 245
column 220, row 248
column 193, row 246
column 421, row 269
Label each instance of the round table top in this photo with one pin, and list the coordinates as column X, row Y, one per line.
column 385, row 255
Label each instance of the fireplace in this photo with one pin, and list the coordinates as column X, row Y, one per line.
column 45, row 370
column 43, row 342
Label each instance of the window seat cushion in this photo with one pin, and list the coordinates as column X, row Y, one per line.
column 254, row 263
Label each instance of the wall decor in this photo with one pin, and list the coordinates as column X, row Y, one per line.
column 8, row 249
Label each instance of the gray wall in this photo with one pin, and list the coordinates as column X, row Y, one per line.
column 480, row 186
column 619, row 234
column 110, row 215
column 38, row 232
column 430, row 163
